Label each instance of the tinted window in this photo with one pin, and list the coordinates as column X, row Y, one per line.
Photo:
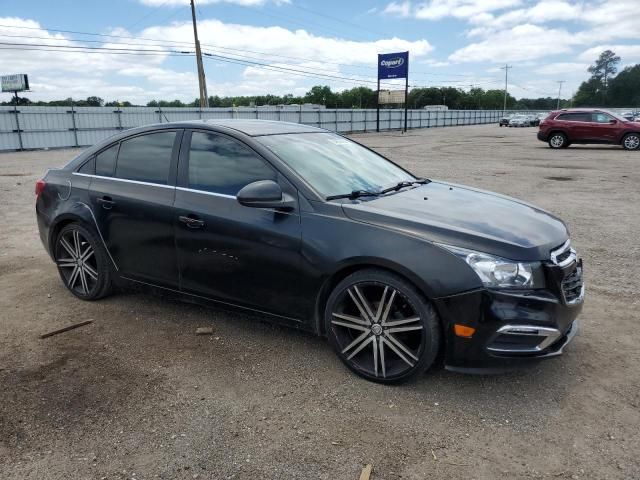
column 146, row 158
column 221, row 165
column 601, row 118
column 575, row 117
column 106, row 161
column 89, row 167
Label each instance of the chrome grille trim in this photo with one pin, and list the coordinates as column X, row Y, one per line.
column 547, row 337
column 557, row 253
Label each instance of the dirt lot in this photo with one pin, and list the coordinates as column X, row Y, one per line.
column 138, row 395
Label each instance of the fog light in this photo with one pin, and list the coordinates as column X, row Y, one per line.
column 463, row 330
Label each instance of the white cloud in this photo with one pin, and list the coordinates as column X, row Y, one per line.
column 56, row 75
column 276, row 41
column 626, row 52
column 438, row 9
column 520, row 43
column 401, row 9
column 563, row 68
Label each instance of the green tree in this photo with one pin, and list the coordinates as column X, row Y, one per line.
column 624, row 89
column 94, row 102
column 594, row 91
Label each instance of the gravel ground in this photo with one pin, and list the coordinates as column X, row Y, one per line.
column 136, row 394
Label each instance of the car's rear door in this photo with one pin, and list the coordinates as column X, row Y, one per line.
column 240, row 255
column 132, row 196
column 577, row 125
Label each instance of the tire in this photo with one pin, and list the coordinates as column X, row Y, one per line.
column 558, row 140
column 631, row 141
column 82, row 262
column 391, row 336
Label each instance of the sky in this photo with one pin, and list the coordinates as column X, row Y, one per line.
column 257, row 47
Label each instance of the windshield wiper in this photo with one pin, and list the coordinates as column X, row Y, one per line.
column 367, row 193
column 354, row 194
column 403, row 184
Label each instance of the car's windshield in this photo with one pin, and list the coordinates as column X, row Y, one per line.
column 334, row 165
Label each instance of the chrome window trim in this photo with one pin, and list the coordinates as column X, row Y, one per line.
column 205, row 192
column 126, row 180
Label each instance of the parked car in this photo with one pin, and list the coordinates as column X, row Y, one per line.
column 628, row 116
column 504, row 121
column 319, row 233
column 520, row 121
column 564, row 127
column 538, row 118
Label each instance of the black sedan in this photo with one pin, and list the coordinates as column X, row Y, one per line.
column 321, row 234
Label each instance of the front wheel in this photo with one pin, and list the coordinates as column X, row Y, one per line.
column 82, row 262
column 558, row 140
column 631, row 141
column 381, row 327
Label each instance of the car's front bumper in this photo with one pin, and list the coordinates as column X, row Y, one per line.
column 511, row 327
column 542, row 136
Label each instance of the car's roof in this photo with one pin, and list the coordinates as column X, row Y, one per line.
column 256, row 128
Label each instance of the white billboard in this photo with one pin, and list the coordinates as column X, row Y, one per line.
column 391, row 96
column 15, row 83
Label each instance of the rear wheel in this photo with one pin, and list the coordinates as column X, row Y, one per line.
column 82, row 262
column 381, row 327
column 558, row 140
column 631, row 141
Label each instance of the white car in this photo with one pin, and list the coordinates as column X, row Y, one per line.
column 520, row 121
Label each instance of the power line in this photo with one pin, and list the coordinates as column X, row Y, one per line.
column 147, row 15
column 176, row 42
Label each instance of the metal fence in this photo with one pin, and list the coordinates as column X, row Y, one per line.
column 25, row 128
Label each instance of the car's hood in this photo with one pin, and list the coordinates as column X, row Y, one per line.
column 466, row 217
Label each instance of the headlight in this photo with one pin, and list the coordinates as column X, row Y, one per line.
column 496, row 272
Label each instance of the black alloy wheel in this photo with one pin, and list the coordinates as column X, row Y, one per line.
column 381, row 327
column 82, row 262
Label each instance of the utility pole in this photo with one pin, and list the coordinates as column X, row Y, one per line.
column 506, row 83
column 204, row 98
column 560, row 82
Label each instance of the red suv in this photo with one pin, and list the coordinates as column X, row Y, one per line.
column 564, row 127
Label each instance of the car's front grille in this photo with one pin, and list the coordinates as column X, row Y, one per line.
column 572, row 286
column 563, row 255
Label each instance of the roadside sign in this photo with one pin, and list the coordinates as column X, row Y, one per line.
column 393, row 65
column 391, row 96
column 15, row 83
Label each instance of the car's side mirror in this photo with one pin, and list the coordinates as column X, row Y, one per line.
column 265, row 194
column 612, row 122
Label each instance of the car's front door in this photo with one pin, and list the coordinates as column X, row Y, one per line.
column 132, row 196
column 604, row 128
column 240, row 255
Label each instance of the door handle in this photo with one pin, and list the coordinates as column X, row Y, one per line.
column 106, row 202
column 191, row 221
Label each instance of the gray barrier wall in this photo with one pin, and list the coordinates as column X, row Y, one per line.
column 55, row 127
